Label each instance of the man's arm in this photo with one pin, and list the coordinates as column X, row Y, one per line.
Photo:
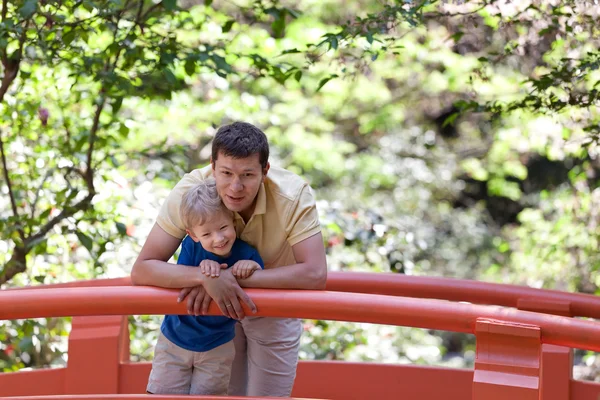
column 151, row 267
column 309, row 272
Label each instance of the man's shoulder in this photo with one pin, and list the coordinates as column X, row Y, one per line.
column 284, row 183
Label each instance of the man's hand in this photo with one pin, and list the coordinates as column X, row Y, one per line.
column 244, row 268
column 197, row 300
column 226, row 292
column 211, row 268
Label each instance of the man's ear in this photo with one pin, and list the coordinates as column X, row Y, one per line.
column 212, row 162
column 266, row 170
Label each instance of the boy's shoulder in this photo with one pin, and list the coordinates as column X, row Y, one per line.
column 244, row 248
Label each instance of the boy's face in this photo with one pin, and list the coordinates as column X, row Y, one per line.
column 216, row 235
column 238, row 181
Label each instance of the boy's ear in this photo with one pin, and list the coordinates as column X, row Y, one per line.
column 191, row 234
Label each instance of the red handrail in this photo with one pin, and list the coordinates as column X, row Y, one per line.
column 402, row 311
column 581, row 305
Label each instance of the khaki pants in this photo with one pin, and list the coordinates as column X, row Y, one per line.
column 180, row 371
column 266, row 356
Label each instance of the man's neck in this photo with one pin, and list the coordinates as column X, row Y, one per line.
column 247, row 213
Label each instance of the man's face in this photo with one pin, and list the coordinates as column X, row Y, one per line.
column 238, row 181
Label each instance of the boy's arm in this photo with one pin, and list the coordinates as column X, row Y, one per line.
column 151, row 268
column 309, row 272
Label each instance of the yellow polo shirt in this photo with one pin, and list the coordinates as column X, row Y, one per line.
column 285, row 214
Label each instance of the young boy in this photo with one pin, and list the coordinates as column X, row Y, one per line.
column 194, row 355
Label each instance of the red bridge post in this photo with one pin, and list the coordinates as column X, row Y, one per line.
column 97, row 346
column 508, row 361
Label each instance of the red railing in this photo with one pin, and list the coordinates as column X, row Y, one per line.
column 522, row 297
column 515, row 352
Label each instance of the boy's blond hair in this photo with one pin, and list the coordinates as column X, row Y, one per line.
column 200, row 204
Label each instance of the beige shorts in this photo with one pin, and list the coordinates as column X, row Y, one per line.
column 266, row 356
column 179, row 371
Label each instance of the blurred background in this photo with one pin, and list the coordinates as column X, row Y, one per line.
column 441, row 138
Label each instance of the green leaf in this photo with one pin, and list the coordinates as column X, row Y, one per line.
column 116, row 105
column 169, row 5
column 29, row 8
column 278, row 25
column 325, row 80
column 369, row 38
column 45, row 214
column 450, row 119
column 39, row 278
column 227, row 27
column 85, row 240
column 68, row 37
column 290, row 51
column 123, row 131
column 207, row 3
column 333, row 42
column 121, row 228
column 457, row 36
column 298, row 76
column 190, row 67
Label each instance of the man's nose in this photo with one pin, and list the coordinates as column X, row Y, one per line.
column 236, row 185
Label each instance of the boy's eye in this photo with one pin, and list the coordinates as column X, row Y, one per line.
column 205, row 235
column 224, row 227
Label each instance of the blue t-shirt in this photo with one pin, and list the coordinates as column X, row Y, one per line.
column 205, row 333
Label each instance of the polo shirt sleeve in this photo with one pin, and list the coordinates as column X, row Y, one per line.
column 168, row 217
column 302, row 220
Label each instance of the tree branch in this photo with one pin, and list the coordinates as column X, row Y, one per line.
column 4, row 9
column 14, row 266
column 89, row 172
column 11, row 194
column 67, row 212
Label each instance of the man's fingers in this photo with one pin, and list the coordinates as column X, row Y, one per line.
column 236, row 309
column 224, row 309
column 246, row 299
column 183, row 294
column 198, row 302
column 191, row 299
column 205, row 304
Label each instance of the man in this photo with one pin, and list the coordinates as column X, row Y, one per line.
column 275, row 212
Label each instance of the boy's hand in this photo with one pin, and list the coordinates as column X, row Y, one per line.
column 244, row 268
column 211, row 268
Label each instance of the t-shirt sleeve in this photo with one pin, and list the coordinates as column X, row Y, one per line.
column 302, row 221
column 254, row 256
column 168, row 217
column 186, row 257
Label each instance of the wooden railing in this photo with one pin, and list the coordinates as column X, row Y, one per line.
column 520, row 354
